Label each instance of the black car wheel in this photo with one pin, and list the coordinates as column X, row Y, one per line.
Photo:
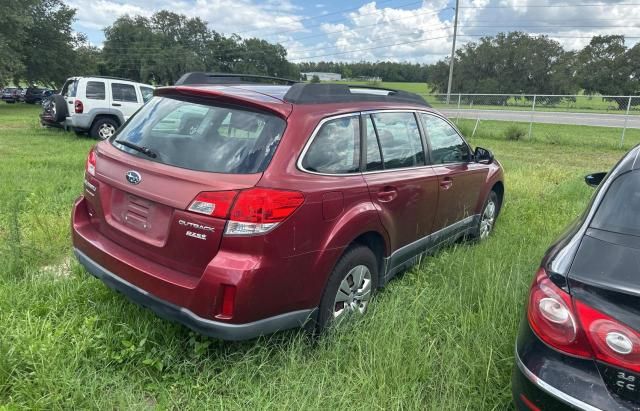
column 350, row 287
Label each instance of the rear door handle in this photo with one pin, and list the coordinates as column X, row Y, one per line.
column 446, row 183
column 387, row 194
column 116, row 104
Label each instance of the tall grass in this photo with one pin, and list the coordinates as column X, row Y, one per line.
column 439, row 337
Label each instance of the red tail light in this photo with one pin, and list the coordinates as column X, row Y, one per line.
column 612, row 342
column 551, row 316
column 259, row 210
column 78, row 106
column 213, row 203
column 579, row 329
column 91, row 162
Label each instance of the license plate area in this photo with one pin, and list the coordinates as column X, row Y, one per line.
column 141, row 218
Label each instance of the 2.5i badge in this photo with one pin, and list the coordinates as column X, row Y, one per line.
column 199, row 236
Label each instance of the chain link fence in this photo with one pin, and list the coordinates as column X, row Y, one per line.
column 614, row 112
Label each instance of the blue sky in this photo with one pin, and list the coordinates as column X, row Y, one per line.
column 397, row 30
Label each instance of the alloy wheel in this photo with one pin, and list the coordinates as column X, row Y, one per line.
column 353, row 293
column 106, row 130
column 487, row 219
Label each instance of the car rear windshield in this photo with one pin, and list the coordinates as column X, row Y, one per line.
column 203, row 137
column 619, row 211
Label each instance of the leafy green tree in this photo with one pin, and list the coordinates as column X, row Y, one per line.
column 315, row 79
column 606, row 66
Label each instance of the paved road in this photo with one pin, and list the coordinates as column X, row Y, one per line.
column 552, row 117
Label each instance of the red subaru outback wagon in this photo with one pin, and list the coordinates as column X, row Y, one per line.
column 239, row 208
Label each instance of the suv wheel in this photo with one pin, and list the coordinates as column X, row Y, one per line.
column 488, row 217
column 58, row 108
column 103, row 128
column 350, row 287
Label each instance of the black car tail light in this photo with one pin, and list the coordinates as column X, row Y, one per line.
column 552, row 318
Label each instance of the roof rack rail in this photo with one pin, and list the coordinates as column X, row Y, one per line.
column 229, row 78
column 112, row 78
column 314, row 93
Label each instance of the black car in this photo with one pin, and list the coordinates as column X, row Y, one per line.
column 579, row 344
column 34, row 95
column 11, row 94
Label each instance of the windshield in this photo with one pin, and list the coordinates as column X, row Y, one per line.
column 619, row 211
column 202, row 137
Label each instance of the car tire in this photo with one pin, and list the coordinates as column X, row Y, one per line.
column 103, row 128
column 351, row 285
column 488, row 217
column 59, row 108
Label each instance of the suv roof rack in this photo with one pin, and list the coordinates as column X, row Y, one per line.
column 229, row 78
column 314, row 93
column 111, row 78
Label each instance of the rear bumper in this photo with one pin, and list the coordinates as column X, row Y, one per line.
column 169, row 311
column 546, row 379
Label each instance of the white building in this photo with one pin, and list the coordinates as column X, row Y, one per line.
column 323, row 76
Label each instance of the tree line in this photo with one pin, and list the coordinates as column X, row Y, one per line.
column 38, row 46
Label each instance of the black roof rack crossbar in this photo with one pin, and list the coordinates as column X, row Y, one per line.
column 314, row 93
column 229, row 78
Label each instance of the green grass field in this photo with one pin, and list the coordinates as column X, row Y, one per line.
column 439, row 337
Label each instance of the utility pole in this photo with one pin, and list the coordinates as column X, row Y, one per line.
column 453, row 51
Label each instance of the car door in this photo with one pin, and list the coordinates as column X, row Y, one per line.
column 403, row 188
column 460, row 178
column 125, row 98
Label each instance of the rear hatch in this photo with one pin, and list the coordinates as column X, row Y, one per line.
column 159, row 165
column 605, row 276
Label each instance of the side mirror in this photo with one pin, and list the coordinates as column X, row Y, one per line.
column 594, row 179
column 482, row 155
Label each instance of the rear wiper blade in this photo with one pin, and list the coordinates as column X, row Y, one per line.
column 144, row 150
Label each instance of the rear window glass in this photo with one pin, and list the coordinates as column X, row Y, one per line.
column 400, row 140
column 123, row 92
column 203, row 137
column 336, row 147
column 95, row 90
column 620, row 209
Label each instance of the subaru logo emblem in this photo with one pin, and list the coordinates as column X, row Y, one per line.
column 133, row 177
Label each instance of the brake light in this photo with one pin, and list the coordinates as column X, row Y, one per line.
column 213, row 203
column 552, row 319
column 78, row 106
column 612, row 342
column 91, row 162
column 259, row 210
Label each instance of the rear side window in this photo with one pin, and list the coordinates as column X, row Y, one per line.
column 147, row 93
column 399, row 139
column 335, row 148
column 203, row 137
column 446, row 144
column 123, row 92
column 618, row 211
column 95, row 90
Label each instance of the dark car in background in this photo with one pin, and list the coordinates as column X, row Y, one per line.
column 579, row 344
column 240, row 209
column 11, row 94
column 34, row 95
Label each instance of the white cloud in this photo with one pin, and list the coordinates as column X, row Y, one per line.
column 376, row 32
column 225, row 16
